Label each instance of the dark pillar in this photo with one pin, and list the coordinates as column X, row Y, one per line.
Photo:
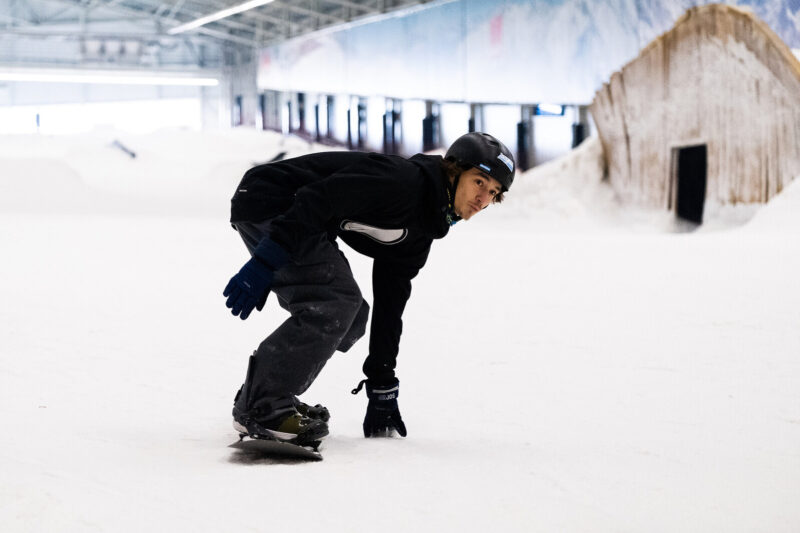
column 329, row 109
column 387, row 132
column 317, row 135
column 362, row 123
column 238, row 117
column 301, row 111
column 580, row 128
column 525, row 156
column 349, row 132
column 392, row 132
column 475, row 118
column 262, row 107
column 430, row 127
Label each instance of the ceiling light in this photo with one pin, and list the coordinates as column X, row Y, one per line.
column 202, row 21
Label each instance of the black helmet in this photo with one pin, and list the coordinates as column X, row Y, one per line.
column 481, row 150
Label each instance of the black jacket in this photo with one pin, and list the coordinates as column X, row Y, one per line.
column 386, row 207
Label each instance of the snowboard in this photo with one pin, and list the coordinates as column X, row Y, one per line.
column 273, row 448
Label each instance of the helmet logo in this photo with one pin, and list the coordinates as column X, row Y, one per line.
column 484, row 167
column 508, row 162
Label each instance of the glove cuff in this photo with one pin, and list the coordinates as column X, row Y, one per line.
column 271, row 254
column 383, row 392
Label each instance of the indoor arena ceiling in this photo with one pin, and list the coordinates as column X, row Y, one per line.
column 179, row 22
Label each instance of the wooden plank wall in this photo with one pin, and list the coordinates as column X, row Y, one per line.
column 719, row 77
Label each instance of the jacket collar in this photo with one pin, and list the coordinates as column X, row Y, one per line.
column 437, row 205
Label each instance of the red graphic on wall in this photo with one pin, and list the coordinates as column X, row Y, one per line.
column 496, row 30
column 266, row 60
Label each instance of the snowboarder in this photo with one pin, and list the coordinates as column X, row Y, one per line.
column 290, row 213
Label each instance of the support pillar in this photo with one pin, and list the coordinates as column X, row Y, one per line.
column 580, row 125
column 525, row 136
column 430, row 127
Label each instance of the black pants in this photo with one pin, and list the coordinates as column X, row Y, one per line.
column 327, row 310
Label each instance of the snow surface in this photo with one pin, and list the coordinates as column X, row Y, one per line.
column 567, row 365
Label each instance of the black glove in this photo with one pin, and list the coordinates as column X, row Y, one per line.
column 383, row 414
column 250, row 286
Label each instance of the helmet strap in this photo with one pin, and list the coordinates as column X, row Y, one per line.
column 451, row 215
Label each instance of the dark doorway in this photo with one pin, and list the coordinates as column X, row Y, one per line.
column 690, row 178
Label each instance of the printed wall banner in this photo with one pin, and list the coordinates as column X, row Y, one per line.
column 515, row 51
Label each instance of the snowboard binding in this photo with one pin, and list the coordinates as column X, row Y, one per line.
column 270, row 447
column 312, row 445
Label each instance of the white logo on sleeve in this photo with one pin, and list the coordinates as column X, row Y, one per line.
column 381, row 235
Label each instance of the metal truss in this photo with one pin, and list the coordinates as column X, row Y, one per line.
column 148, row 22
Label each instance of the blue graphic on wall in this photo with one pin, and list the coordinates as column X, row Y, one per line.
column 518, row 51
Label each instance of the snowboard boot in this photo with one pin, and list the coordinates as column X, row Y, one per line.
column 281, row 421
column 275, row 417
column 316, row 412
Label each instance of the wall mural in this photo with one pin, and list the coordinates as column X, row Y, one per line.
column 558, row 51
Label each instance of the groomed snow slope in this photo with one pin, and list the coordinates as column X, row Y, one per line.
column 566, row 365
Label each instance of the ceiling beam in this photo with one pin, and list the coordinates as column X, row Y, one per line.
column 352, row 5
column 67, row 33
column 158, row 21
column 307, row 12
column 263, row 16
column 227, row 37
column 82, row 15
column 279, row 20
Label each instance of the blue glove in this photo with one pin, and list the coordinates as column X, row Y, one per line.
column 249, row 288
column 383, row 413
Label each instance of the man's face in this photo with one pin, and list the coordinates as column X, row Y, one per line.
column 476, row 190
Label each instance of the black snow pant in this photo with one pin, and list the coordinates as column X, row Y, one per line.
column 327, row 310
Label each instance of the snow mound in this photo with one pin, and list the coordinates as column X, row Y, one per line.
column 37, row 184
column 181, row 172
column 781, row 214
column 175, row 172
column 571, row 194
column 561, row 191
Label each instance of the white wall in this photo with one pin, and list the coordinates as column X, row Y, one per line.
column 30, row 93
column 65, row 107
column 376, row 108
column 341, row 103
column 454, row 120
column 552, row 137
column 501, row 121
column 140, row 116
column 411, row 119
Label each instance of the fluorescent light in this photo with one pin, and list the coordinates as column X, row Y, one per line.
column 202, row 21
column 131, row 77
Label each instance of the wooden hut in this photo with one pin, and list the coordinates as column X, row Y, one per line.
column 709, row 111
